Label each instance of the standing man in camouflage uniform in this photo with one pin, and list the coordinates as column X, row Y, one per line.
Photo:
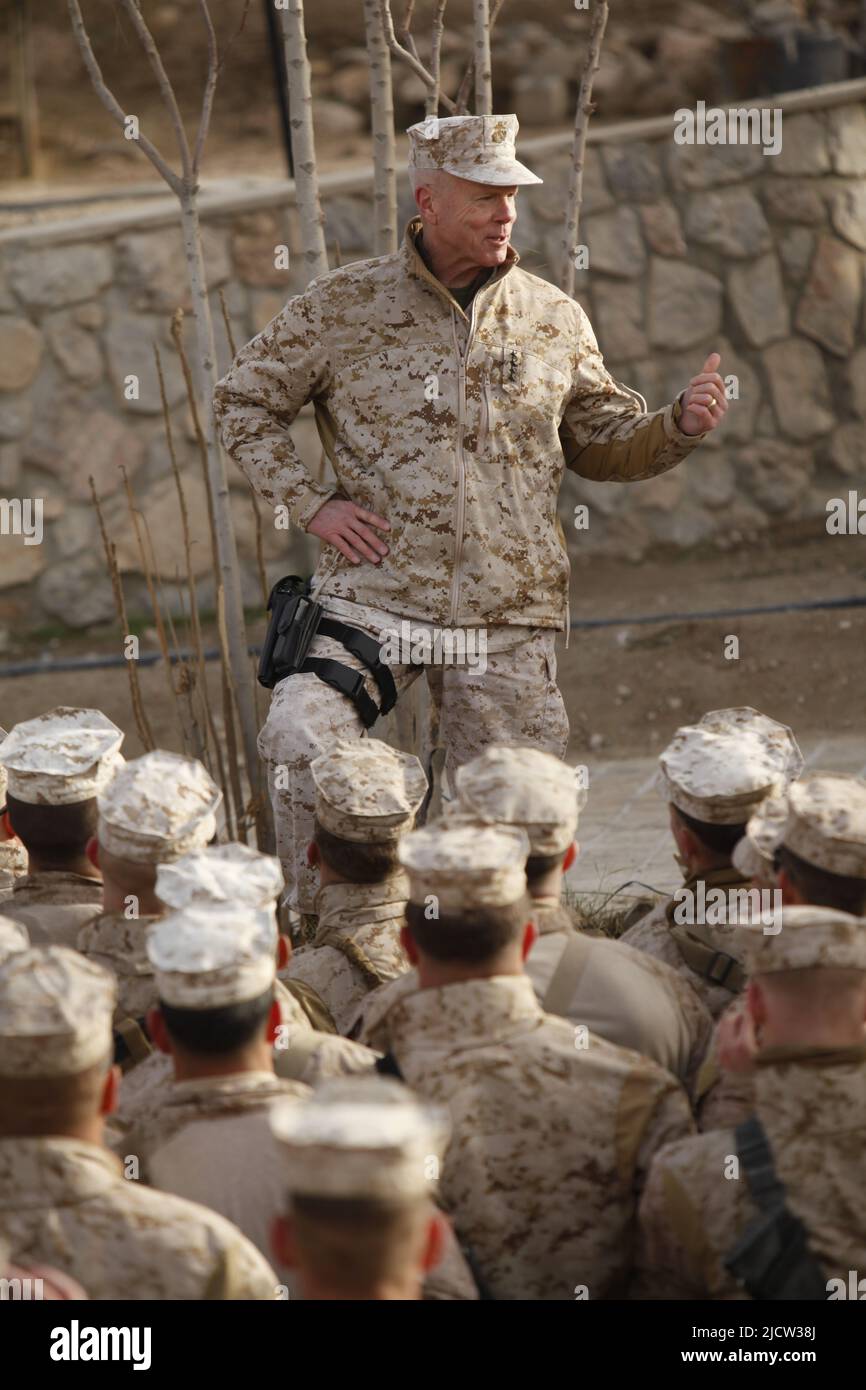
column 366, row 799
column 63, row 1198
column 807, row 994
column 56, row 766
column 451, row 389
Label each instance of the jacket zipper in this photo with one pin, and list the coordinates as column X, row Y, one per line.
column 485, row 412
column 461, row 462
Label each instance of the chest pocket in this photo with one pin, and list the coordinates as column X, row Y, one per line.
column 523, row 397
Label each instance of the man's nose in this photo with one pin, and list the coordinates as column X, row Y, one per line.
column 504, row 214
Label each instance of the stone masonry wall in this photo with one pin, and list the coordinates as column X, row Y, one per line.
column 691, row 248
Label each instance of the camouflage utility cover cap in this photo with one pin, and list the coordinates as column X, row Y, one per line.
column 721, row 769
column 809, row 936
column 753, row 855
column 479, row 148
column 159, row 807
column 232, row 873
column 366, row 791
column 61, row 757
column 13, row 937
column 367, row 1138
column 465, row 866
column 211, row 955
column 527, row 788
column 56, row 1009
column 826, row 823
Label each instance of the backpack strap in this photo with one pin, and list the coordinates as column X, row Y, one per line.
column 566, row 977
column 131, row 1043
column 772, row 1259
column 716, row 967
column 354, row 954
column 312, row 1004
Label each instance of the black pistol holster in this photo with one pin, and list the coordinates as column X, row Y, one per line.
column 295, row 620
column 772, row 1259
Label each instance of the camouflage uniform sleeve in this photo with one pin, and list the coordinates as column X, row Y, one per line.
column 666, row 1265
column 607, row 434
column 240, row 1272
column 282, row 369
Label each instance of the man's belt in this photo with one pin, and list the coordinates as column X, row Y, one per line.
column 295, row 620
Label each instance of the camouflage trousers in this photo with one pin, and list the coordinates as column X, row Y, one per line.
column 514, row 700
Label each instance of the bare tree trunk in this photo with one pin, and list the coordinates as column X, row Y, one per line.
column 382, row 118
column 483, row 73
column 303, row 143
column 578, row 150
column 431, row 106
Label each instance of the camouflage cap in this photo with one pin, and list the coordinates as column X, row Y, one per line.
column 527, row 788
column 158, row 808
column 367, row 791
column 367, row 1137
column 13, row 937
column 753, row 854
column 56, row 1010
column 479, row 148
column 809, row 937
column 826, row 823
column 721, row 769
column 209, row 955
column 61, row 757
column 465, row 866
column 232, row 873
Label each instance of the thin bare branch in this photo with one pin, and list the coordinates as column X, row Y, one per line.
column 404, row 29
column 166, row 91
column 111, row 103
column 409, row 59
column 432, row 104
column 582, row 114
column 461, row 101
column 310, row 214
column 213, row 68
column 483, row 71
column 144, row 730
column 382, row 126
column 136, row 518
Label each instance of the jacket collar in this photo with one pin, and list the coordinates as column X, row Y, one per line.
column 53, row 1171
column 473, row 1013
column 807, row 1090
column 241, row 1090
column 124, row 939
column 415, row 265
column 353, row 905
column 57, row 886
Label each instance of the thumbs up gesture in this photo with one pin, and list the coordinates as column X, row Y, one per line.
column 704, row 402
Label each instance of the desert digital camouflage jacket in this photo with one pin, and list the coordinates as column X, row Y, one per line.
column 659, row 935
column 812, row 1105
column 456, row 428
column 551, row 1142
column 64, row 1203
column 623, row 995
column 53, row 905
column 356, row 947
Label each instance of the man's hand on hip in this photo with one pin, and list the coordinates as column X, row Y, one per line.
column 343, row 525
column 704, row 401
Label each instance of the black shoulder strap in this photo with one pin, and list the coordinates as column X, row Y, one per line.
column 772, row 1259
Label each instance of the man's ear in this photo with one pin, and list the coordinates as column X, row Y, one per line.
column 110, row 1091
column 92, row 852
column 407, row 941
column 283, row 1241
column 158, row 1032
column 791, row 895
column 313, row 856
column 275, row 1019
column 284, row 951
column 570, row 856
column 530, row 936
column 435, row 1240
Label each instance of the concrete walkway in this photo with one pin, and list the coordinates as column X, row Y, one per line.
column 624, row 830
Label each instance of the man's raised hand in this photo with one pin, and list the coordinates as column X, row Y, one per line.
column 344, row 525
column 704, row 401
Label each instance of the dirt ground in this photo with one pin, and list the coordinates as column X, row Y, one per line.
column 627, row 686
